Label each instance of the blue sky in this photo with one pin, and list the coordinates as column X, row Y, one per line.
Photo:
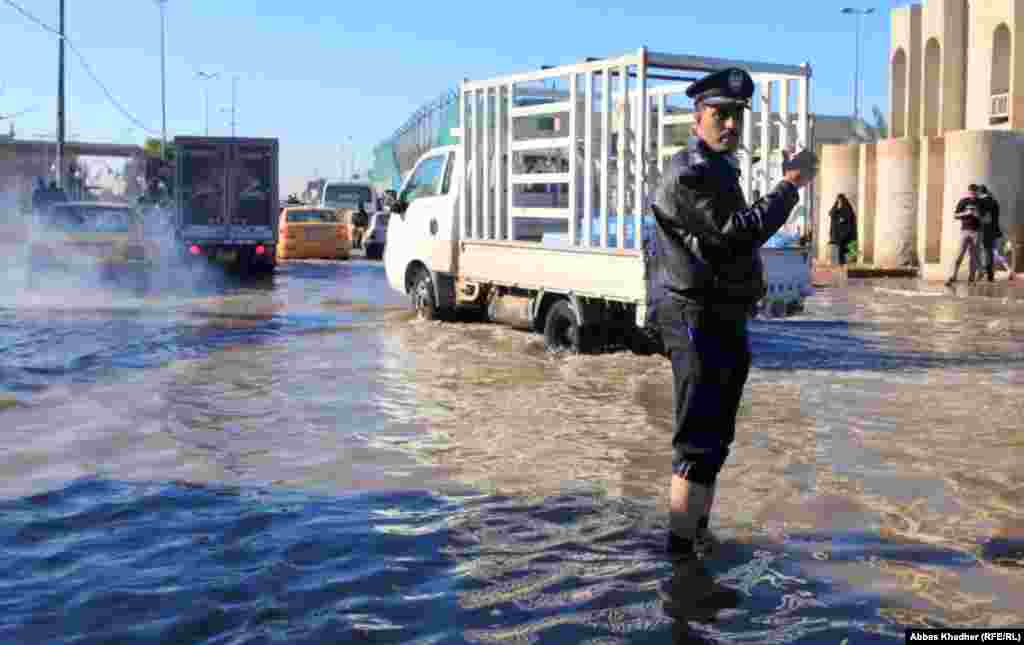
column 317, row 74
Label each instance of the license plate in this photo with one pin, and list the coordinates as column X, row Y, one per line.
column 317, row 234
column 227, row 255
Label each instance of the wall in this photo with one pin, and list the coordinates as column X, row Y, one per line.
column 866, row 201
column 931, row 184
column 906, row 35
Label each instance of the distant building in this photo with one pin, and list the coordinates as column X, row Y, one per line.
column 956, row 117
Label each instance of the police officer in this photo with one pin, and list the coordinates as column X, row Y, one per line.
column 705, row 276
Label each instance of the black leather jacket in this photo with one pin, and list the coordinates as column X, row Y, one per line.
column 705, row 251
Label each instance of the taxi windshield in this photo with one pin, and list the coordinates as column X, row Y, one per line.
column 311, row 216
column 88, row 219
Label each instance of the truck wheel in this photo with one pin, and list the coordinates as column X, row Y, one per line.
column 422, row 294
column 561, row 331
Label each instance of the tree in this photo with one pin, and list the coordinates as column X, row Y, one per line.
column 880, row 125
column 152, row 148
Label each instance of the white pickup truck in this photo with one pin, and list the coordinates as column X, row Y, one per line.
column 521, row 219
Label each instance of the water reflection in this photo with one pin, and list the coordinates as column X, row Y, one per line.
column 875, row 477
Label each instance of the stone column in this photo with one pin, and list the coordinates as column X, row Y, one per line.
column 895, row 240
column 991, row 157
column 840, row 173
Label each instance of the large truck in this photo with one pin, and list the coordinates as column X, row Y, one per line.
column 227, row 200
column 537, row 217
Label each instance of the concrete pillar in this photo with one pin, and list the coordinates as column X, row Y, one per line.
column 896, row 208
column 991, row 157
column 839, row 173
column 866, row 202
column 930, row 220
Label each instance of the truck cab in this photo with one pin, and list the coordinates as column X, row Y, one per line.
column 422, row 231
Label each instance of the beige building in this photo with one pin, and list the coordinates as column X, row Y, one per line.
column 956, row 115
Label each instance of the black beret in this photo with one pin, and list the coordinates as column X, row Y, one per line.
column 730, row 85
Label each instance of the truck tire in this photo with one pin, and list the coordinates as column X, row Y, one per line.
column 422, row 295
column 561, row 330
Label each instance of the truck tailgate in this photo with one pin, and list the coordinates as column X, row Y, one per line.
column 606, row 273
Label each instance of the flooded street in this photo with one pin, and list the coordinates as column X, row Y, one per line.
column 299, row 460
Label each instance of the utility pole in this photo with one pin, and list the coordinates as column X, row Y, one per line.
column 60, row 99
column 163, row 81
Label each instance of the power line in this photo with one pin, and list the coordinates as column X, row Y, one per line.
column 85, row 65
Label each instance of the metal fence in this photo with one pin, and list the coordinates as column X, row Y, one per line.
column 428, row 127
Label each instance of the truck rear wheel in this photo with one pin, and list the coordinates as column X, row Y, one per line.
column 561, row 330
column 422, row 295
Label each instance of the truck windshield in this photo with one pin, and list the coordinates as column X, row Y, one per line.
column 346, row 196
column 88, row 219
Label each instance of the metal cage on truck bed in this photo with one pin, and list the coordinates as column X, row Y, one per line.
column 566, row 156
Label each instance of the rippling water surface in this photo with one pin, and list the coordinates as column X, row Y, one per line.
column 298, row 460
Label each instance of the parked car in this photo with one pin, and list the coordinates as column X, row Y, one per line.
column 307, row 232
column 377, row 236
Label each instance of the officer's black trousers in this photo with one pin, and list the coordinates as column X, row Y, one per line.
column 710, row 355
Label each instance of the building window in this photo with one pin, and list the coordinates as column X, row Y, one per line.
column 999, row 103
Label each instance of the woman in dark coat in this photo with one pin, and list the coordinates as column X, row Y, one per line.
column 843, row 228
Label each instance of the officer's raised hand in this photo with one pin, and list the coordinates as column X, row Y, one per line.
column 799, row 169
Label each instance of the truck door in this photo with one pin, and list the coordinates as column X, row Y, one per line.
column 203, row 191
column 254, row 201
column 424, row 231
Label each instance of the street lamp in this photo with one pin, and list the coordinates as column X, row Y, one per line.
column 856, row 72
column 231, row 110
column 203, row 76
column 163, row 81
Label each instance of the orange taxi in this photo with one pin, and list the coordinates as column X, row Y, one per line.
column 309, row 232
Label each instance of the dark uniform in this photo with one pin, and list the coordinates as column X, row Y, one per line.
column 704, row 277
column 990, row 231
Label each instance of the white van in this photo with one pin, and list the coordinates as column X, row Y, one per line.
column 467, row 229
column 350, row 195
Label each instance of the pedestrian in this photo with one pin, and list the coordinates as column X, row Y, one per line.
column 842, row 228
column 968, row 211
column 704, row 277
column 360, row 220
column 990, row 231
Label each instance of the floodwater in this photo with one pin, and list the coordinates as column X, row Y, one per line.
column 298, row 460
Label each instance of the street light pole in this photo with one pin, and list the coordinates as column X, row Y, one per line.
column 163, row 81
column 856, row 68
column 352, row 156
column 60, row 100
column 203, row 76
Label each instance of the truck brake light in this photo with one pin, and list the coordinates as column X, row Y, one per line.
column 194, row 249
column 260, row 249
